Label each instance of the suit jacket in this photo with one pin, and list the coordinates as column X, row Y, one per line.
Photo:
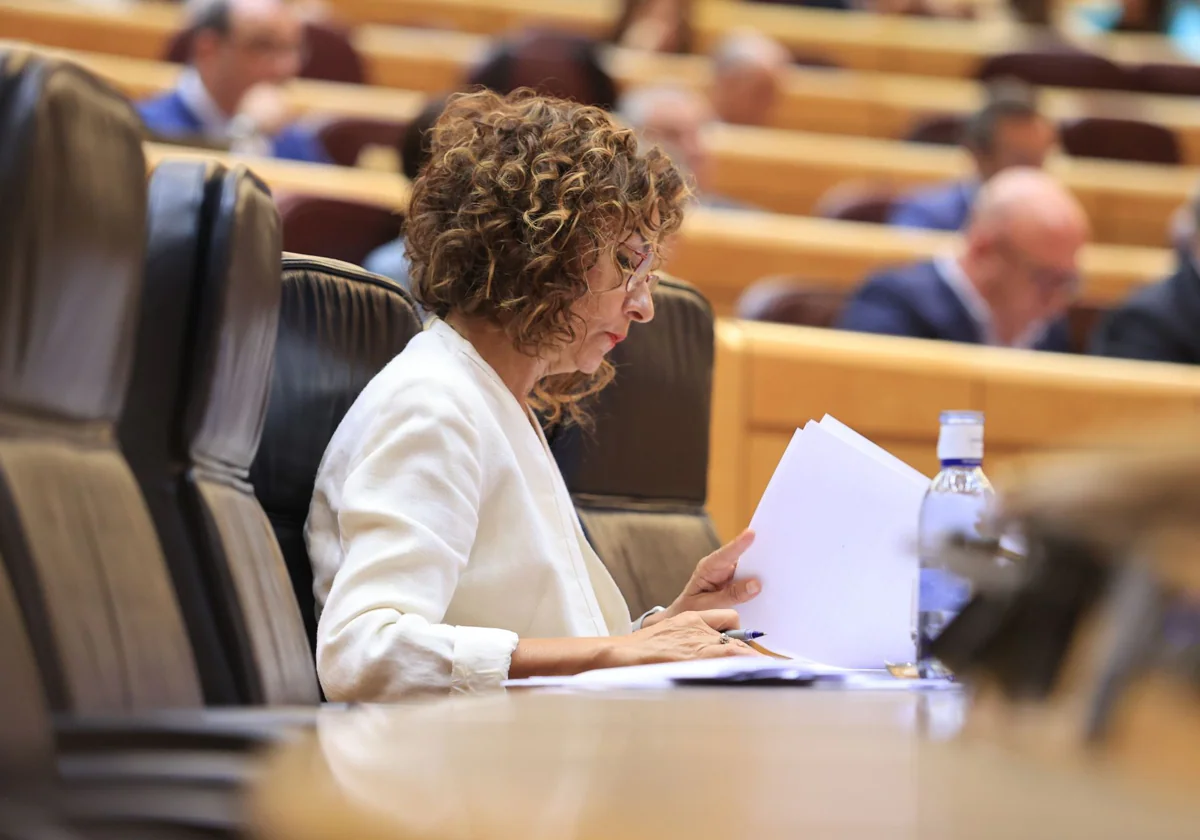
column 1159, row 323
column 944, row 207
column 167, row 115
column 917, row 302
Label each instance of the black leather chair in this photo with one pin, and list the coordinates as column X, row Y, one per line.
column 75, row 534
column 197, row 397
column 338, row 327
column 639, row 479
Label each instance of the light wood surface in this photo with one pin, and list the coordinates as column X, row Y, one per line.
column 876, row 104
column 778, row 171
column 694, row 763
column 723, row 252
column 772, row 379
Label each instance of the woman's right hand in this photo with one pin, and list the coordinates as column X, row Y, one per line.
column 689, row 635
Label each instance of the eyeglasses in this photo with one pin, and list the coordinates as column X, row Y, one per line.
column 636, row 269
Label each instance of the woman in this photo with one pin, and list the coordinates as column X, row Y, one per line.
column 446, row 552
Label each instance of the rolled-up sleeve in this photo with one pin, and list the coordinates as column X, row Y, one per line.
column 407, row 520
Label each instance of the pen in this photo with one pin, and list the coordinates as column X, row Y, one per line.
column 743, row 635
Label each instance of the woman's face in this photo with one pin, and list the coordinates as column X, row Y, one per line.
column 605, row 314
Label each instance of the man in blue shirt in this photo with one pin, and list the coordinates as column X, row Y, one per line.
column 230, row 95
column 1008, row 131
column 1009, row 285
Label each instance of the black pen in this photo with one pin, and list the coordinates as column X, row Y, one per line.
column 743, row 635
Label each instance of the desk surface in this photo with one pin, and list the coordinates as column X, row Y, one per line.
column 695, row 763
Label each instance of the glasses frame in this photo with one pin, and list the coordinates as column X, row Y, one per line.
column 641, row 273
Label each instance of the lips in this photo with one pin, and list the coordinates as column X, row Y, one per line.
column 615, row 338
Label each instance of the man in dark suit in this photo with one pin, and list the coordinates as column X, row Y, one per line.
column 1008, row 131
column 1009, row 284
column 1160, row 322
column 230, row 95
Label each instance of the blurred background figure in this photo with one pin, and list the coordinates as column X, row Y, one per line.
column 654, row 25
column 556, row 64
column 748, row 72
column 242, row 53
column 675, row 118
column 1010, row 285
column 391, row 260
column 1160, row 322
column 1007, row 132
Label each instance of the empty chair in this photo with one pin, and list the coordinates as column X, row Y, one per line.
column 1174, row 79
column 640, row 479
column 329, row 54
column 856, row 201
column 345, row 138
column 1058, row 68
column 791, row 300
column 1118, row 139
column 194, row 412
column 339, row 326
column 338, row 230
column 75, row 534
column 944, row 130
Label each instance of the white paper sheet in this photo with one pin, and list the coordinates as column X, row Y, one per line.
column 664, row 675
column 847, row 434
column 835, row 531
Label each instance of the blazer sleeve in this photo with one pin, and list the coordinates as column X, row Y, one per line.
column 1134, row 333
column 877, row 307
column 408, row 519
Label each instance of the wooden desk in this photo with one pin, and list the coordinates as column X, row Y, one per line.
column 694, row 763
column 876, row 104
column 723, row 252
column 770, row 380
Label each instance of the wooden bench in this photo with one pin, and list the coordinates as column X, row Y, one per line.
column 772, row 379
column 842, row 102
column 785, row 172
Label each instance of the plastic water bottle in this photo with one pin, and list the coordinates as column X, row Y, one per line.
column 959, row 501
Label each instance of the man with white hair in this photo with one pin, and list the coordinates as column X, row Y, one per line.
column 748, row 73
column 675, row 118
column 1009, row 284
column 242, row 52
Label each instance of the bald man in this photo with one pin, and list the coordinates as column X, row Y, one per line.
column 230, row 95
column 748, row 71
column 1009, row 284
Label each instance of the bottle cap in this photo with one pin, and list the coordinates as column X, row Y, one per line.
column 961, row 438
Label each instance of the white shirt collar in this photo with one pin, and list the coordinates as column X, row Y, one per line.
column 951, row 272
column 213, row 121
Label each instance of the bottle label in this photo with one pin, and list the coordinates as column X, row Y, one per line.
column 961, row 443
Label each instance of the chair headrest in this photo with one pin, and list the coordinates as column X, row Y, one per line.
column 339, row 326
column 236, row 318
column 72, row 239
column 650, row 440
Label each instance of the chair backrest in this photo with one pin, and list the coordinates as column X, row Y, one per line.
column 856, row 201
column 640, row 478
column 345, row 138
column 197, row 400
column 1173, row 79
column 1058, row 67
column 75, row 534
column 561, row 64
column 791, row 300
column 329, row 54
column 1120, row 139
column 943, row 130
column 346, row 231
column 338, row 327
column 26, row 739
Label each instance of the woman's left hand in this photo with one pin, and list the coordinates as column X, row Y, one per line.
column 712, row 586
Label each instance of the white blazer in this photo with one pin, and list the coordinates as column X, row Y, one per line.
column 441, row 531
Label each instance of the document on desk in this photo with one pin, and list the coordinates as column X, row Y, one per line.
column 835, row 529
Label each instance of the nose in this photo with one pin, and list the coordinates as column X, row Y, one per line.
column 639, row 305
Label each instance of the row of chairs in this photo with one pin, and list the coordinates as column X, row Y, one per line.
column 168, row 385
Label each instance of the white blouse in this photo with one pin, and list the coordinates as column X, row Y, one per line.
column 441, row 531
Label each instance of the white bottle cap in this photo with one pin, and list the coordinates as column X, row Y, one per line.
column 961, row 437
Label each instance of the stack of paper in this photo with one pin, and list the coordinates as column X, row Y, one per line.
column 836, row 531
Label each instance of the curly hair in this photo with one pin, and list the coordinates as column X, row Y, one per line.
column 521, row 196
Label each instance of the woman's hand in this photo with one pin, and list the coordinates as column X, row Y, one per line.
column 691, row 635
column 712, row 586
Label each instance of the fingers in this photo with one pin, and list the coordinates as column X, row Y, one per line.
column 741, row 591
column 717, row 568
column 721, row 619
